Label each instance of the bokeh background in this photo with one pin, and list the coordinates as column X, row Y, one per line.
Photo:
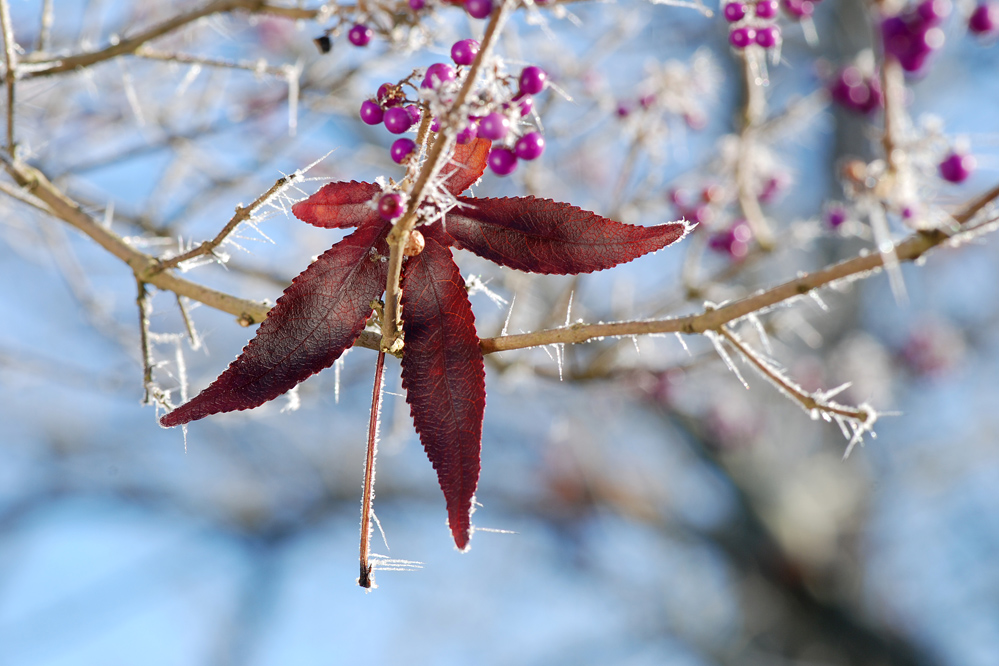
column 644, row 509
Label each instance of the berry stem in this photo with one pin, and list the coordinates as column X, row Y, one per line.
column 368, row 493
column 437, row 154
column 753, row 115
column 893, row 92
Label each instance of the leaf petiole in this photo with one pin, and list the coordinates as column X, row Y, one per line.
column 365, row 580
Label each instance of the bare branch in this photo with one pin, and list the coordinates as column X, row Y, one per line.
column 909, row 250
column 145, row 267
column 47, row 66
column 10, row 73
column 242, row 215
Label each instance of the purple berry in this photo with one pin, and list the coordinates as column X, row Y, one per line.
column 766, row 9
column 401, row 150
column 623, row 110
column 502, row 161
column 415, row 113
column 398, row 120
column 956, row 167
column 700, row 215
column 523, row 103
column 494, row 127
column 799, row 8
column 768, row 36
column 437, row 74
column 734, row 11
column 464, row 52
column 360, row 35
column 933, row 12
column 740, row 38
column 836, row 216
column 530, row 146
column 383, row 91
column 533, row 80
column 985, row 19
column 390, row 206
column 417, row 5
column 479, row 9
column 856, row 92
column 734, row 242
column 435, row 125
column 468, row 134
column 371, row 113
column 647, row 101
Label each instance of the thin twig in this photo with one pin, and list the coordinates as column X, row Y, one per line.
column 808, row 401
column 10, row 74
column 257, row 67
column 754, row 112
column 368, row 492
column 47, row 66
column 153, row 395
column 145, row 267
column 893, row 98
column 45, row 31
column 439, row 151
column 243, row 213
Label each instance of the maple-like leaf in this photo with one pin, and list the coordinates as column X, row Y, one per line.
column 325, row 308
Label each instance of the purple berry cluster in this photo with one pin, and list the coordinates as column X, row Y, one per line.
column 910, row 37
column 752, row 23
column 733, row 242
column 494, row 114
column 984, row 20
column 497, row 126
column 856, row 91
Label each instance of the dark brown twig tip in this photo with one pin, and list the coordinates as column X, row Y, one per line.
column 365, row 580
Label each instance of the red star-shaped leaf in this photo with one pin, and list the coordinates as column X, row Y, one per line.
column 325, row 308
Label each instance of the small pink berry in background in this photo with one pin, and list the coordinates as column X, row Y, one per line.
column 360, row 35
column 836, row 216
column 390, row 206
column 464, row 52
column 734, row 242
column 766, row 9
column 417, row 5
column 933, row 12
column 740, row 38
column 502, row 161
column 734, row 11
column 799, row 8
column 768, row 36
column 479, row 9
column 984, row 20
column 856, row 91
column 371, row 112
column 957, row 167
